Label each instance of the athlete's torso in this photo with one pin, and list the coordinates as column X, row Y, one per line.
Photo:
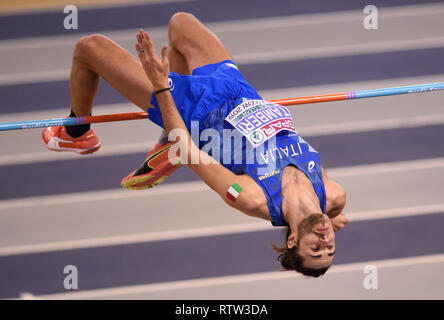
column 258, row 138
column 264, row 142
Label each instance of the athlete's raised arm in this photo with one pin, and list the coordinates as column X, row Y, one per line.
column 237, row 191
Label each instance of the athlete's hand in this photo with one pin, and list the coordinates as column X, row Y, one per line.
column 339, row 222
column 156, row 69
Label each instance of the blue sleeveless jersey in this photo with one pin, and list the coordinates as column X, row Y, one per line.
column 265, row 163
column 205, row 98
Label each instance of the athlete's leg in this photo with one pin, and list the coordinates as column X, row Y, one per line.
column 192, row 45
column 97, row 56
column 178, row 63
column 195, row 42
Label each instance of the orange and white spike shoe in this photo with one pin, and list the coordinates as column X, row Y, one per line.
column 57, row 139
column 154, row 170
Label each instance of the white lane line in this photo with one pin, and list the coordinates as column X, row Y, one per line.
column 203, row 232
column 386, row 167
column 47, row 155
column 407, row 11
column 336, row 51
column 260, row 57
column 237, row 279
column 199, row 186
column 78, row 197
column 396, row 212
column 27, row 296
column 309, row 131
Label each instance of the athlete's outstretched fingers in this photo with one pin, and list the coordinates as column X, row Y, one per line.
column 149, row 58
column 139, row 40
column 143, row 40
column 157, row 70
column 140, row 54
column 142, row 48
column 146, row 46
column 149, row 45
column 147, row 37
column 138, row 49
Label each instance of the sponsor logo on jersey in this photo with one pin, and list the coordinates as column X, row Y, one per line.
column 171, row 84
column 311, row 166
column 259, row 120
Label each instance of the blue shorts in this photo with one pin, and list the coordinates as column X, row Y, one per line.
column 208, row 87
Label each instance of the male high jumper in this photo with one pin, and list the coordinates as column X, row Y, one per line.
column 197, row 84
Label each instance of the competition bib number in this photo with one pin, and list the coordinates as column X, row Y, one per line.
column 259, row 120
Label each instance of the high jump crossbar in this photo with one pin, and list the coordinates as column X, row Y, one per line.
column 284, row 102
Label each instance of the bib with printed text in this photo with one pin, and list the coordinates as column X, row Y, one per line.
column 259, row 120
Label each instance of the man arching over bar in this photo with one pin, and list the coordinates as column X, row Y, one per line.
column 269, row 172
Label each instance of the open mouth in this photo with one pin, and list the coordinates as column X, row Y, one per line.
column 322, row 230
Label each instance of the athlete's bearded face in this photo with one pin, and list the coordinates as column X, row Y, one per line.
column 316, row 240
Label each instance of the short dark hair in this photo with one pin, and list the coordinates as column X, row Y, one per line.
column 290, row 259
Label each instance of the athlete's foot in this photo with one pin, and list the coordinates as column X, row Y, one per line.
column 57, row 139
column 154, row 170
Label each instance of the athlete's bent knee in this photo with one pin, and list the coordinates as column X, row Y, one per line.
column 88, row 45
column 177, row 23
column 180, row 17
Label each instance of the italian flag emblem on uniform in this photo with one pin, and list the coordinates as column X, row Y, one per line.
column 233, row 192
